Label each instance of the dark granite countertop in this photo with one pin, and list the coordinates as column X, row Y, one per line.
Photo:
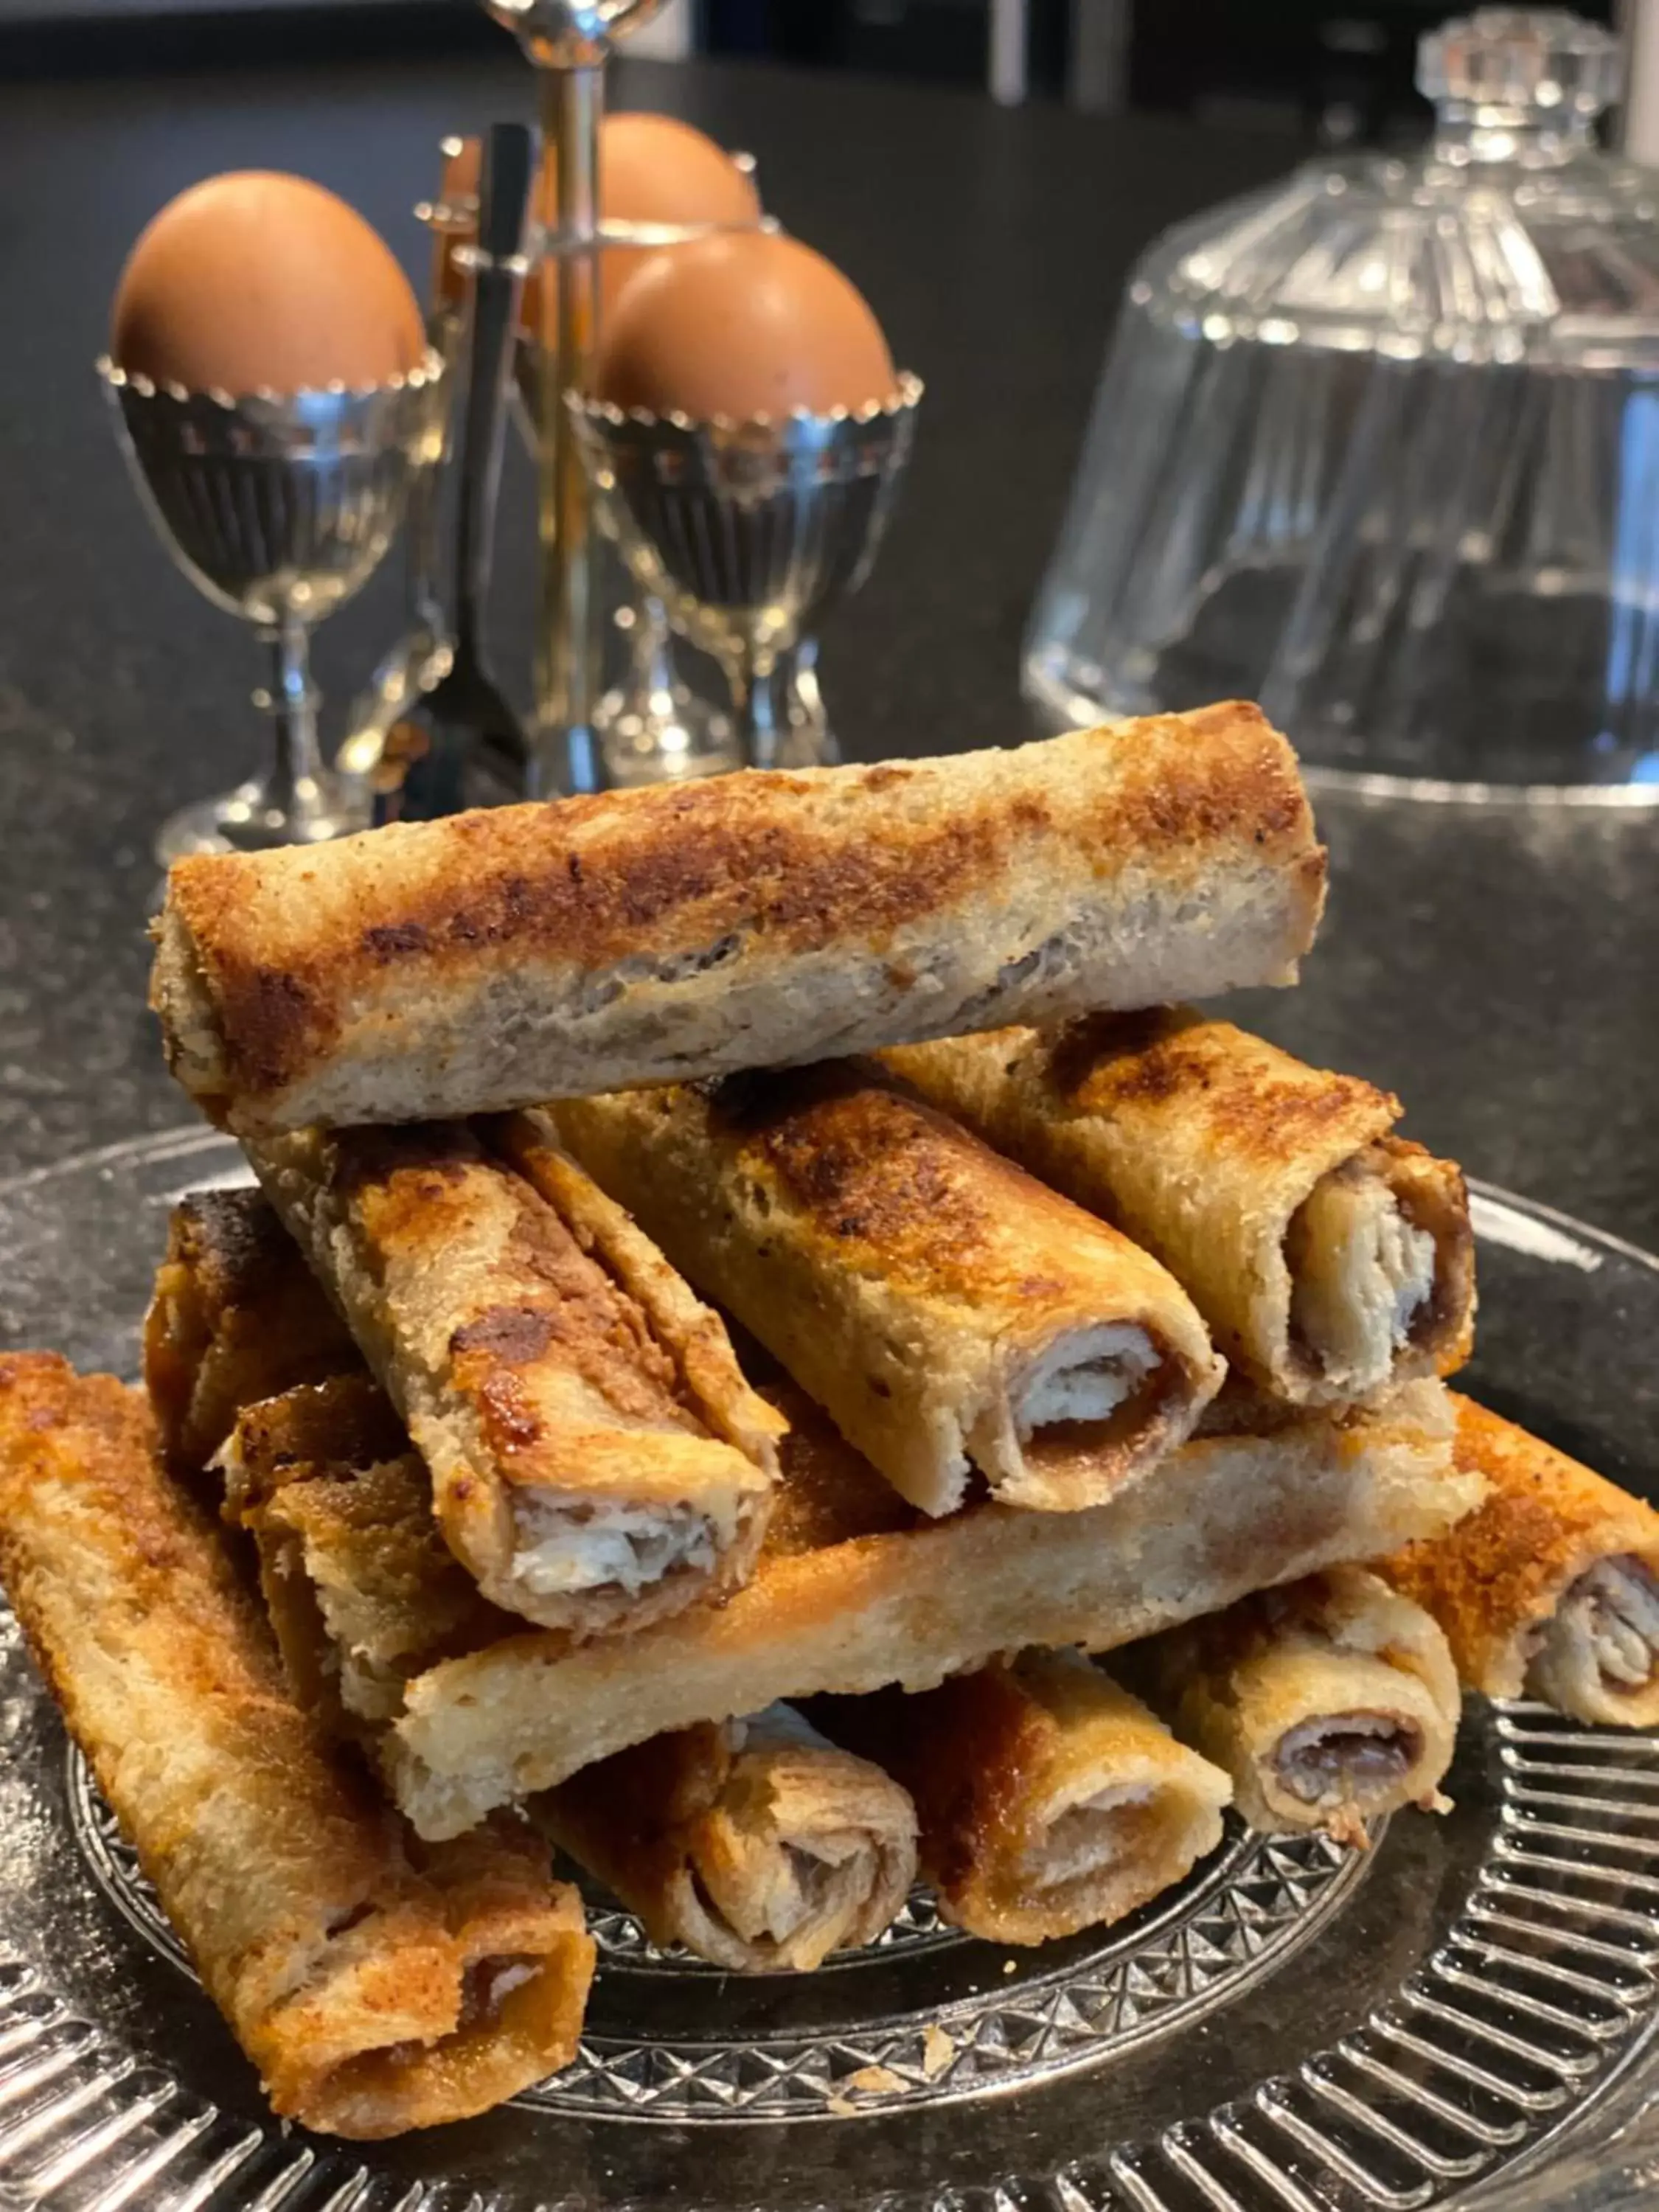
column 1499, row 968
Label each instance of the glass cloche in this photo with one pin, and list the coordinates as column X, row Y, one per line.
column 1379, row 447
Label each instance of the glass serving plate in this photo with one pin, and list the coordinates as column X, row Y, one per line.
column 1465, row 2015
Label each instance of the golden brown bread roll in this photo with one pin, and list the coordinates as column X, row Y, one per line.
column 235, row 1316
column 1552, row 1588
column 949, row 1312
column 1330, row 1702
column 598, row 1459
column 1049, row 1799
column 1329, row 1257
column 376, row 1983
column 681, row 931
column 854, row 1591
column 361, row 1589
column 754, row 1843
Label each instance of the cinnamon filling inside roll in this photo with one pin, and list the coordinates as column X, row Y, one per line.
column 1341, row 1755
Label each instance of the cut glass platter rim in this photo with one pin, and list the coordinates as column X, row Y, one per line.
column 1448, row 2020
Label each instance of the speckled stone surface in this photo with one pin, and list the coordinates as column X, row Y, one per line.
column 1498, row 968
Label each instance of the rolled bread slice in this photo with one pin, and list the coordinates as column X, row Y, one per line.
column 950, row 1313
column 361, row 1589
column 1330, row 1258
column 683, row 931
column 378, row 1984
column 235, row 1316
column 598, row 1459
column 1049, row 1798
column 1551, row 1591
column 1330, row 1702
column 754, row 1843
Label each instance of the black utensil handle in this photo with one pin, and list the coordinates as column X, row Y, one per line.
column 508, row 168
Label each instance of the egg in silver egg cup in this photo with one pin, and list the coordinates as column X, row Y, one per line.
column 745, row 532
column 278, row 508
column 650, row 724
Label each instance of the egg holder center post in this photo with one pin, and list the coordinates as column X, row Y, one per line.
column 740, row 533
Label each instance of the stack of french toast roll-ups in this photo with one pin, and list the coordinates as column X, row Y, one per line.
column 772, row 1353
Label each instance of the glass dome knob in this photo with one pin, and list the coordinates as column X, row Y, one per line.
column 1520, row 66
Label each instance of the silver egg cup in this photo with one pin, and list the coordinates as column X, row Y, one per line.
column 746, row 533
column 649, row 724
column 277, row 509
column 652, row 725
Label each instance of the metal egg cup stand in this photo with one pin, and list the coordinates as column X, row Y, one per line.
column 734, row 535
column 741, row 533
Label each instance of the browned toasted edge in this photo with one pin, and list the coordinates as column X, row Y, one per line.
column 592, row 879
column 97, row 1547
column 1501, row 1573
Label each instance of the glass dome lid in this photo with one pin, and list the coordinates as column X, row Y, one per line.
column 1380, row 445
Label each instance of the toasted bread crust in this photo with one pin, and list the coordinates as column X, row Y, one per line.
column 1202, row 1142
column 999, row 1761
column 537, row 1349
column 911, row 1278
column 494, row 958
column 362, row 1590
column 339, row 1949
column 1496, row 1579
column 236, row 1316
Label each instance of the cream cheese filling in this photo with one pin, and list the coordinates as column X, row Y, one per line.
column 565, row 1546
column 1085, row 1837
column 1613, row 1613
column 1360, row 1276
column 1085, row 1377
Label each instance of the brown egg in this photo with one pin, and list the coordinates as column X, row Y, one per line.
column 255, row 281
column 749, row 323
column 652, row 168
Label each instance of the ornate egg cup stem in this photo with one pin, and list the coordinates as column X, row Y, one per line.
column 278, row 508
column 746, row 531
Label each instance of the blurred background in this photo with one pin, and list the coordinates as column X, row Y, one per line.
column 1329, row 75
